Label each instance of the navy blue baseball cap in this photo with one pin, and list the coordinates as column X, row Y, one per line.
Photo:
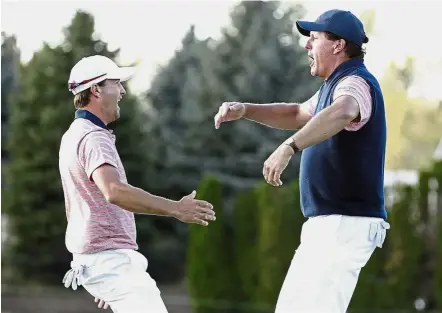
column 341, row 23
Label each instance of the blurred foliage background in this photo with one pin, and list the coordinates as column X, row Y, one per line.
column 169, row 147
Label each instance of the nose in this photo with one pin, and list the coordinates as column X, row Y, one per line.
column 122, row 90
column 308, row 44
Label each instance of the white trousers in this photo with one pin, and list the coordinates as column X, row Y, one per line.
column 325, row 269
column 119, row 278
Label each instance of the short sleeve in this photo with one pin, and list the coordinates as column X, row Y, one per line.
column 359, row 89
column 310, row 105
column 96, row 149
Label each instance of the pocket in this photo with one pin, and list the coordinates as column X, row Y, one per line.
column 321, row 230
column 105, row 265
column 354, row 243
column 354, row 231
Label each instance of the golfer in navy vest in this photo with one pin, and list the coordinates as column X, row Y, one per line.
column 341, row 131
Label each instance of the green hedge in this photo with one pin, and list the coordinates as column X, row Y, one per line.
column 279, row 228
column 245, row 221
column 266, row 223
column 210, row 268
column 437, row 170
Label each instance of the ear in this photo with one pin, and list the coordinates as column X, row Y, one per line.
column 95, row 90
column 339, row 46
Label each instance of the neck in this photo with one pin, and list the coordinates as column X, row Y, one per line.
column 334, row 65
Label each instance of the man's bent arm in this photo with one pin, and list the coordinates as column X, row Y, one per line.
column 327, row 123
column 130, row 198
column 278, row 115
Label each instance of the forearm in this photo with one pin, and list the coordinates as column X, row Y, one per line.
column 276, row 115
column 138, row 201
column 324, row 125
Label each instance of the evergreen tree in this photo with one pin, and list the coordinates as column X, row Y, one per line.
column 10, row 71
column 261, row 62
column 10, row 65
column 178, row 95
column 430, row 200
column 40, row 114
column 210, row 263
column 425, row 286
column 280, row 224
column 438, row 235
column 407, row 249
column 173, row 129
column 246, row 231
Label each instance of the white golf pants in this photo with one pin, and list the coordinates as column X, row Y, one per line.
column 325, row 269
column 118, row 277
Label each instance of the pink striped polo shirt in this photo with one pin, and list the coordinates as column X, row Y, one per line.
column 356, row 87
column 93, row 223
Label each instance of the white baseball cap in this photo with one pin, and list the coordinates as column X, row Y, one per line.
column 94, row 69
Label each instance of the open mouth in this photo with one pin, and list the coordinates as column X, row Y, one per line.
column 311, row 60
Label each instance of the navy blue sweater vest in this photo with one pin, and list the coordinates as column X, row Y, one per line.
column 345, row 173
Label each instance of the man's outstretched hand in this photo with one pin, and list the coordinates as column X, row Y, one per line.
column 191, row 210
column 229, row 111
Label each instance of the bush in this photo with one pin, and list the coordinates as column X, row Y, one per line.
column 209, row 256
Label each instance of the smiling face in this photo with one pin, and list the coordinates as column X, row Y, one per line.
column 109, row 96
column 324, row 54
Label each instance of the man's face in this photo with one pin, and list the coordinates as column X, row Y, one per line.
column 322, row 53
column 110, row 94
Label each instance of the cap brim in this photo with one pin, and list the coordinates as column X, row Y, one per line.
column 122, row 73
column 305, row 27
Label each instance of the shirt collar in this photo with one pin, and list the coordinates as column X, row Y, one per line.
column 355, row 62
column 91, row 117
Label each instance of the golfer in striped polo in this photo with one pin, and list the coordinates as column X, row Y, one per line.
column 100, row 203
